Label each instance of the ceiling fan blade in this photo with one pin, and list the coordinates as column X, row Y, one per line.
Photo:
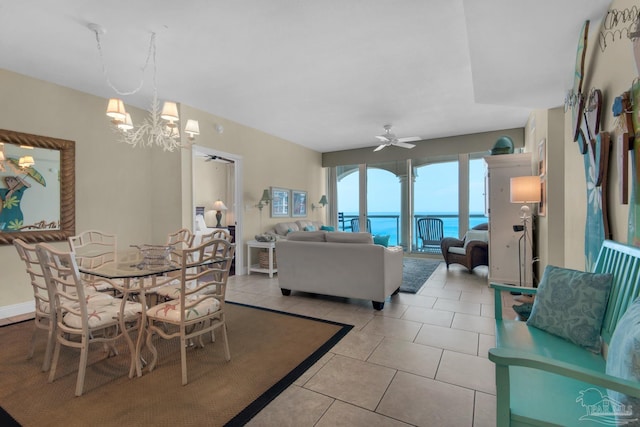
column 383, row 138
column 403, row 144
column 380, row 147
column 410, row 139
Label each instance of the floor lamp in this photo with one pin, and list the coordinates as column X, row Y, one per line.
column 525, row 190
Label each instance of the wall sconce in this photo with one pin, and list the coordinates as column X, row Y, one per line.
column 266, row 198
column 323, row 202
column 218, row 206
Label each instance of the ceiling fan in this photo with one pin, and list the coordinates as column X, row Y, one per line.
column 215, row 158
column 390, row 139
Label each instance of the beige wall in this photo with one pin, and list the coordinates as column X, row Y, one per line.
column 611, row 71
column 140, row 194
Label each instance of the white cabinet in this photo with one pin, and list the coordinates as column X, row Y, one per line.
column 506, row 246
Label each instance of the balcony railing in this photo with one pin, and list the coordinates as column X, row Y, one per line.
column 390, row 224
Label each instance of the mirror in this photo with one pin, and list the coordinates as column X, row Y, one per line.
column 37, row 188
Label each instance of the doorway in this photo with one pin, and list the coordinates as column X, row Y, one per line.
column 217, row 176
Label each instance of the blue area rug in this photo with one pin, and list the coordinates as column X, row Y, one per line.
column 416, row 271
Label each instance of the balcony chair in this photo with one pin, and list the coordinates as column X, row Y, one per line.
column 471, row 251
column 80, row 319
column 430, row 234
column 199, row 306
column 355, row 225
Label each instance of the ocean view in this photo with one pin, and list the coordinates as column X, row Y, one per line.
column 389, row 222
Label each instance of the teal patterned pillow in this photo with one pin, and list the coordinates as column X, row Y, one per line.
column 327, row 228
column 381, row 239
column 623, row 359
column 571, row 304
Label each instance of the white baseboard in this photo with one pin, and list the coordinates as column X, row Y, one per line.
column 16, row 309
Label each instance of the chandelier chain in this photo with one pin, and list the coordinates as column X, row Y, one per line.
column 150, row 52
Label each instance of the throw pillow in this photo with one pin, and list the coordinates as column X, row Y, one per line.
column 309, row 228
column 381, row 239
column 623, row 359
column 571, row 305
column 472, row 235
column 327, row 228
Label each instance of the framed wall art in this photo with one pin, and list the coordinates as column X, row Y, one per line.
column 299, row 199
column 280, row 202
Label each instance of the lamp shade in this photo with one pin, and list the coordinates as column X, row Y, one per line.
column 170, row 111
column 192, row 128
column 26, row 161
column 525, row 189
column 218, row 205
column 127, row 124
column 115, row 109
column 265, row 196
column 323, row 200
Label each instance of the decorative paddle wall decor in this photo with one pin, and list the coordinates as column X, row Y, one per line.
column 594, row 147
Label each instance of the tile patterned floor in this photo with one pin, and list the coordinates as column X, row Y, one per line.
column 422, row 361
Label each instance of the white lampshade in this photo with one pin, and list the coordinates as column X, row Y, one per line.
column 218, row 205
column 170, row 111
column 192, row 128
column 26, row 161
column 127, row 124
column 525, row 189
column 115, row 109
column 2, row 157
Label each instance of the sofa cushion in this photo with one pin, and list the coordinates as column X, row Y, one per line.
column 459, row 250
column 342, row 237
column 307, row 236
column 381, row 239
column 571, row 305
column 310, row 228
column 284, row 228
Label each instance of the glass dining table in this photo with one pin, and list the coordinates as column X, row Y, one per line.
column 134, row 273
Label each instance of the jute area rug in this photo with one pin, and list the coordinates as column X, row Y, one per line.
column 269, row 351
column 415, row 272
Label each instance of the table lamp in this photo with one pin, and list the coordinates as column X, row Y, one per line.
column 218, row 206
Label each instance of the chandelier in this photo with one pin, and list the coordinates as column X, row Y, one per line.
column 161, row 126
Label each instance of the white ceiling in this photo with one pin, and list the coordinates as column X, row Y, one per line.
column 323, row 74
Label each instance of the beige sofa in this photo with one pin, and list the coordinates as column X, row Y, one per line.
column 340, row 264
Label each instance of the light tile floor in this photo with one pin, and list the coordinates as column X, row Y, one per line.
column 421, row 361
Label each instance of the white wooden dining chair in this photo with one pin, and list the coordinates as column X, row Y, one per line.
column 82, row 319
column 44, row 315
column 199, row 307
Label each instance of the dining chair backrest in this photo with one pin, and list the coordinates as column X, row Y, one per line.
column 44, row 313
column 93, row 248
column 181, row 239
column 205, row 269
column 216, row 234
column 61, row 273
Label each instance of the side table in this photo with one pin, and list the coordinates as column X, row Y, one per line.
column 270, row 246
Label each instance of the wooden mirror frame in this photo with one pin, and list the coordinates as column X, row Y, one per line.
column 67, row 187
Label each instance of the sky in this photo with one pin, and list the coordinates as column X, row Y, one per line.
column 436, row 189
